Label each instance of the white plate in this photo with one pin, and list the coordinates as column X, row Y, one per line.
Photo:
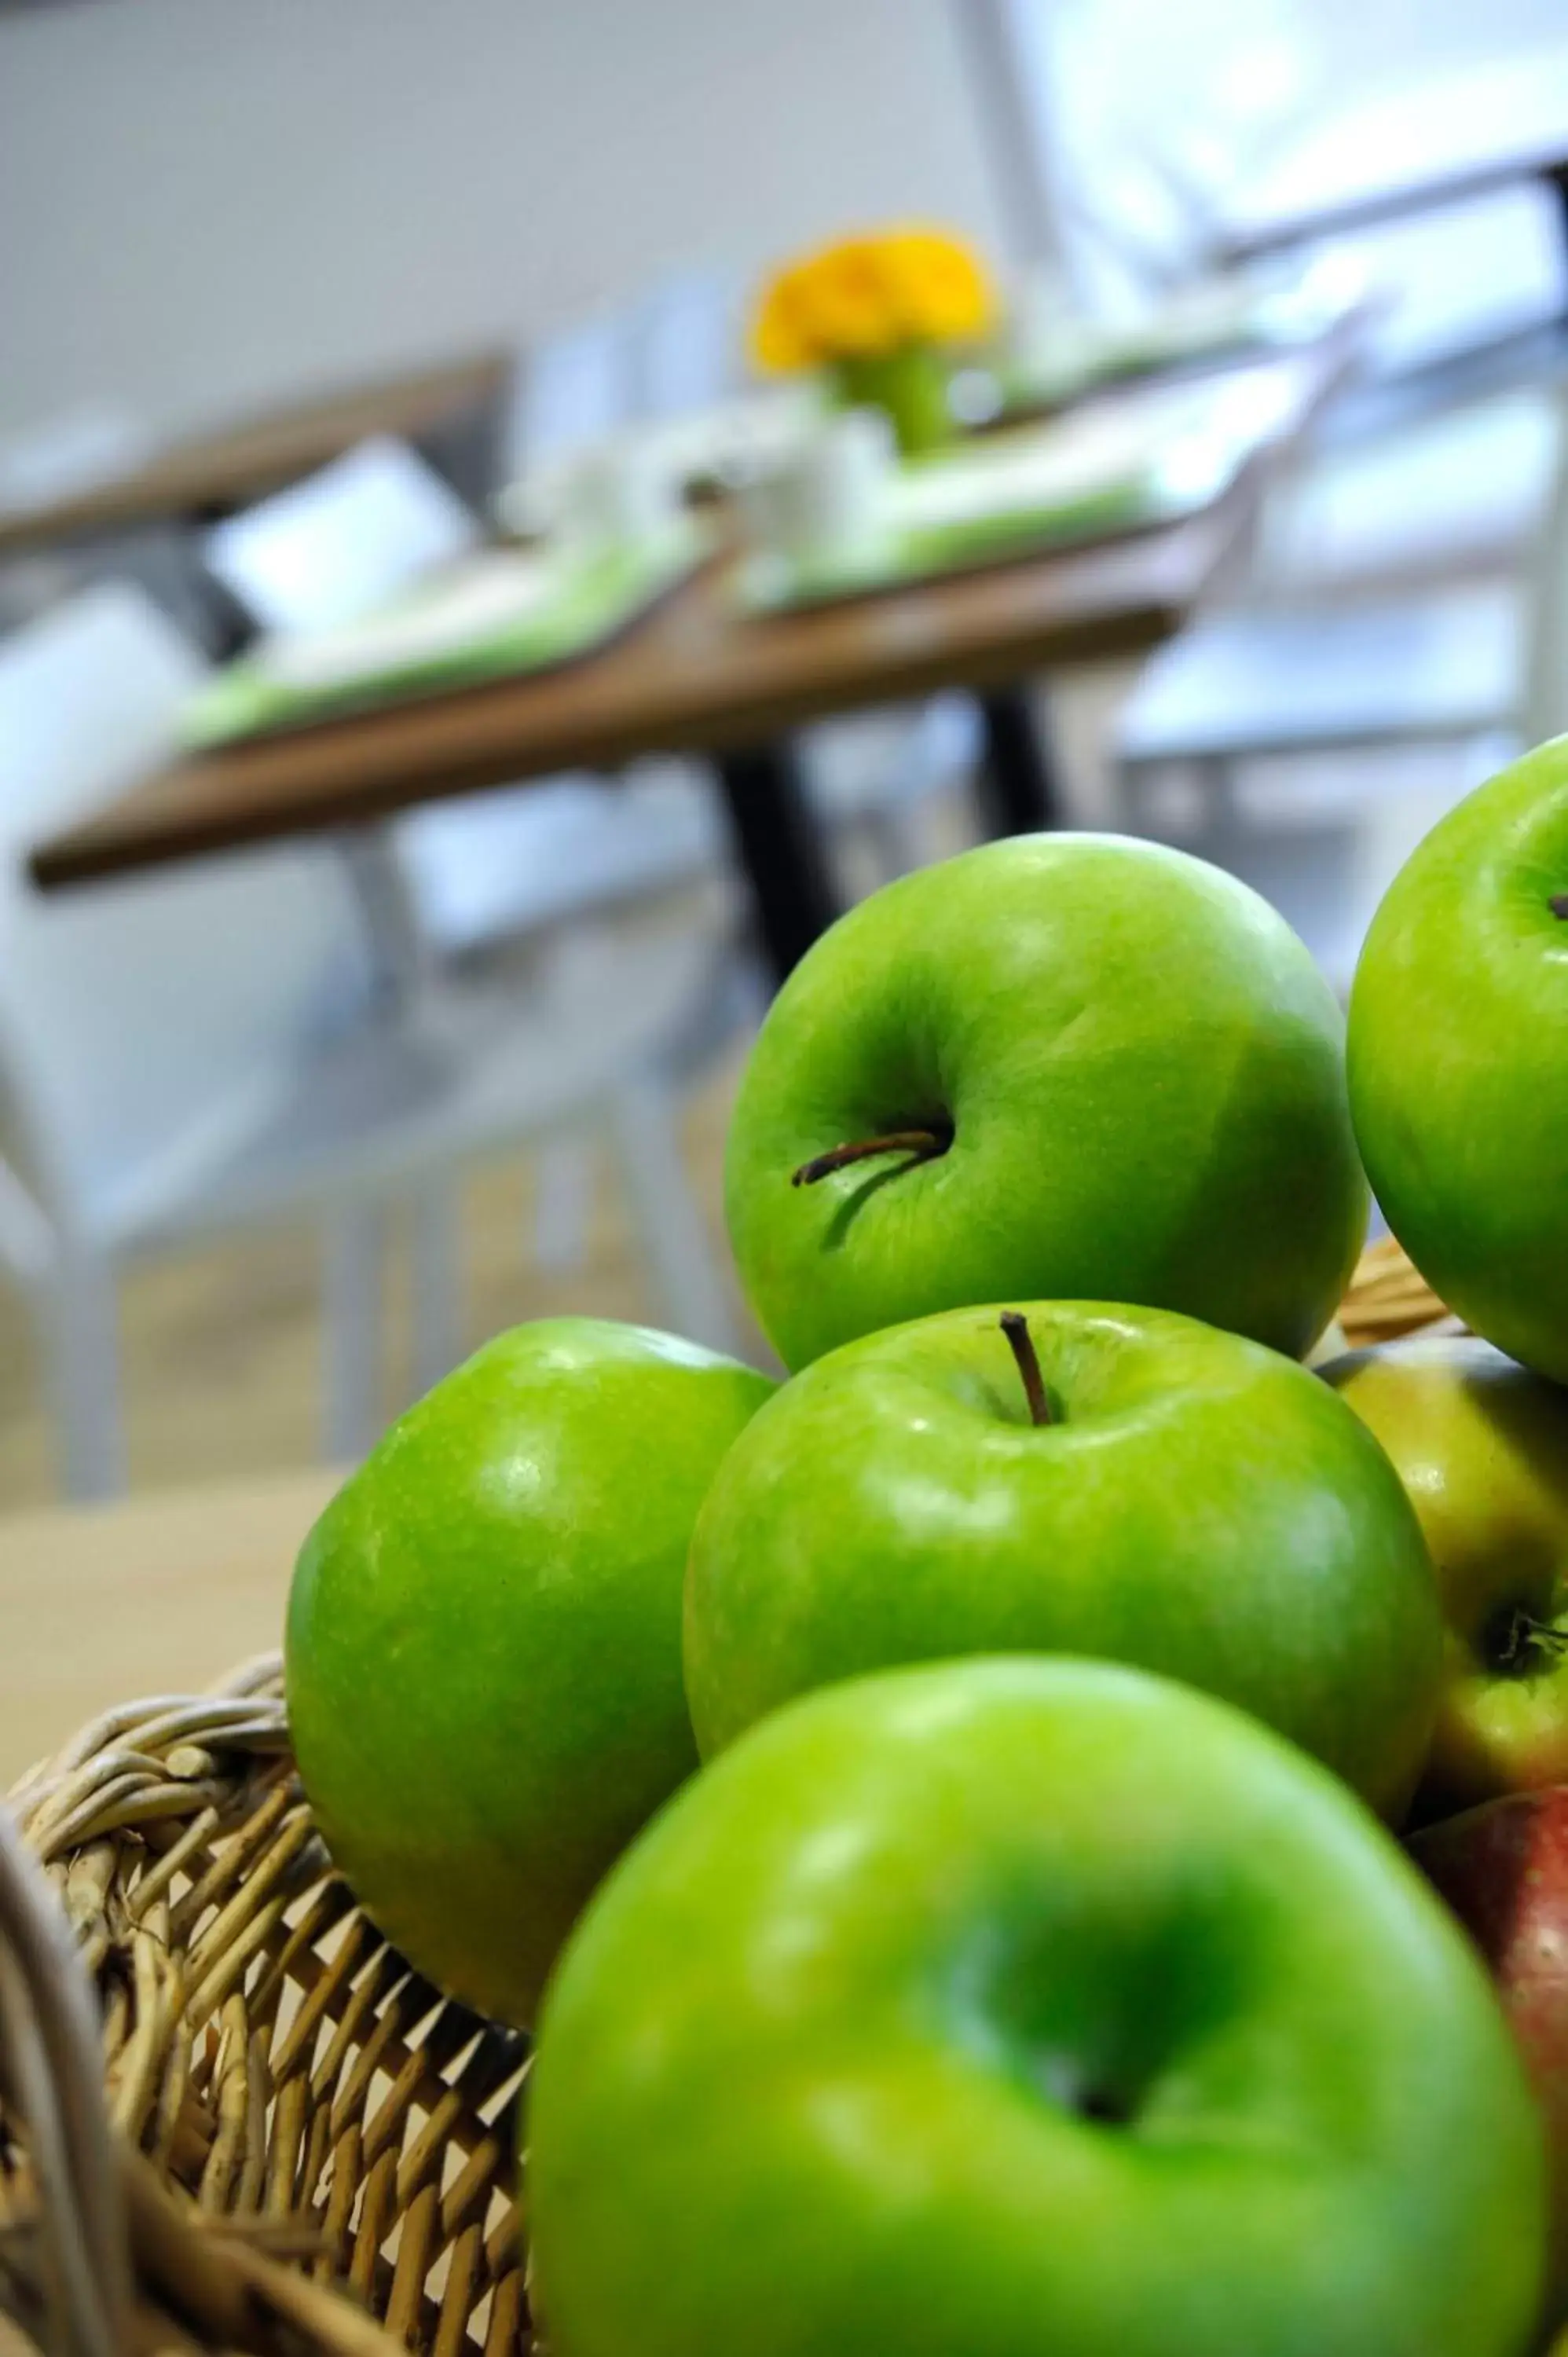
column 1186, row 437
column 477, row 599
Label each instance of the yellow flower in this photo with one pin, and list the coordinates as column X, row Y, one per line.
column 943, row 289
column 846, row 298
column 779, row 342
column 867, row 296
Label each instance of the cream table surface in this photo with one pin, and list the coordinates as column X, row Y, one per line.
column 158, row 1594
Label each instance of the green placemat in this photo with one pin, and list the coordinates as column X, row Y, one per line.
column 580, row 603
column 1148, row 458
column 1206, row 331
column 911, row 551
column 768, row 583
column 1026, row 386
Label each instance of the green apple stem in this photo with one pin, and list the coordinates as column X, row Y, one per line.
column 1021, row 1342
column 923, row 1144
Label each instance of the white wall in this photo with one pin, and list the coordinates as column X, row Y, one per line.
column 205, row 204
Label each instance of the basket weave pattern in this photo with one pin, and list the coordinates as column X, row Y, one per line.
column 301, row 2092
column 290, row 2106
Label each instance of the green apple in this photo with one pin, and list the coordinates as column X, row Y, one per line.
column 483, row 1649
column 1196, row 1504
column 1458, row 1044
column 1481, row 1446
column 1064, row 1066
column 1026, row 2008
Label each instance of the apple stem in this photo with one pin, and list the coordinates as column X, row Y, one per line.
column 1021, row 1342
column 923, row 1144
column 1558, row 904
column 1523, row 1635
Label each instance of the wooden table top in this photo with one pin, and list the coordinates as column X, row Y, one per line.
column 696, row 675
column 1430, row 142
column 155, row 1595
column 222, row 470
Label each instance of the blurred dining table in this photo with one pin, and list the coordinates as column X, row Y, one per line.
column 449, row 410
column 699, row 675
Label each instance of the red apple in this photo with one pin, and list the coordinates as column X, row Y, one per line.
column 1503, row 1868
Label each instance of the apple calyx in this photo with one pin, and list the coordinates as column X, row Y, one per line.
column 1558, row 904
column 923, row 1144
column 1021, row 1342
column 1518, row 1641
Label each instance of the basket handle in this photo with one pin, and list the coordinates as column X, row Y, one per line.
column 51, row 2074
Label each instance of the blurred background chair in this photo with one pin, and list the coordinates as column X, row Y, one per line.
column 484, row 869
column 65, row 457
column 513, row 871
column 508, row 873
column 1235, row 737
column 678, row 352
column 686, row 337
column 345, row 540
column 206, row 1051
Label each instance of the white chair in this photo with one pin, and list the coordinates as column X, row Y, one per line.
column 573, row 389
column 330, row 548
column 73, row 451
column 684, row 345
column 1474, row 664
column 1458, row 493
column 488, row 868
column 1266, row 681
column 1314, row 657
column 191, row 1053
column 60, row 459
column 874, row 776
column 486, row 873
column 1458, row 277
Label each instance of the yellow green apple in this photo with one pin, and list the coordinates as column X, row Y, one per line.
column 1025, row 2009
column 1071, row 1478
column 1481, row 1446
column 1458, row 1044
column 483, row 1651
column 1064, row 1066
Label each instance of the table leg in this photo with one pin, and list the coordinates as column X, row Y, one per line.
column 400, row 953
column 779, row 839
column 1018, row 795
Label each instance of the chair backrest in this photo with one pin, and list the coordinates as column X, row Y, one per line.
column 573, row 389
column 687, row 345
column 137, row 1019
column 1545, row 711
column 342, row 542
column 508, row 863
column 73, row 451
column 1459, row 493
column 1458, row 280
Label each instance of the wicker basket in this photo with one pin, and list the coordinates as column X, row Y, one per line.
column 305, row 2147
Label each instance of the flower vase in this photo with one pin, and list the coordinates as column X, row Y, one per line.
column 909, row 386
